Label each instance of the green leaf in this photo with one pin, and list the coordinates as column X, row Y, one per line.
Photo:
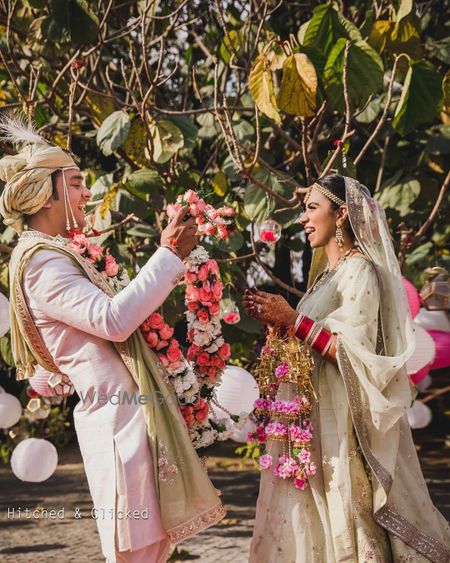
column 83, row 23
column 260, row 83
column 167, row 140
column 439, row 143
column 187, row 127
column 326, row 27
column 142, row 182
column 231, row 43
column 257, row 203
column 364, row 74
column 113, row 132
column 5, row 350
column 127, row 204
column 101, row 186
column 208, row 126
column 421, row 98
column 232, row 244
column 371, row 111
column 142, row 231
column 420, row 253
column 243, row 130
column 400, row 196
column 298, row 89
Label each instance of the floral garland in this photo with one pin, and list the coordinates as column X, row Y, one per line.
column 195, row 378
column 284, row 370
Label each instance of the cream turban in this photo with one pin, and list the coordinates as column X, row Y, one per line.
column 28, row 181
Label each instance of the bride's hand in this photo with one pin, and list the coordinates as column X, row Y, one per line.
column 268, row 308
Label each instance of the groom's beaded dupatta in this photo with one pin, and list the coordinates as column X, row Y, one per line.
column 188, row 500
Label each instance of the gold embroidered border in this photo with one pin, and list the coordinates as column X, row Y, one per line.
column 428, row 546
column 197, row 524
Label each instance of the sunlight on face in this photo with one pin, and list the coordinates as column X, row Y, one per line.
column 318, row 219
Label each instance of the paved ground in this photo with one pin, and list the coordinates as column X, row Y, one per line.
column 67, row 539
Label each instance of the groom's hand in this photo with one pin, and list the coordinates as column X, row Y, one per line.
column 181, row 233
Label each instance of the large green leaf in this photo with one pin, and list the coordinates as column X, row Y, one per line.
column 232, row 43
column 187, row 127
column 5, row 350
column 421, row 97
column 400, row 196
column 257, row 203
column 404, row 10
column 364, row 74
column 419, row 253
column 208, row 127
column 142, row 182
column 167, row 140
column 113, row 132
column 326, row 27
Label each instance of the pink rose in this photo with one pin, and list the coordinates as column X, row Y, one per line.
column 301, row 484
column 145, row 326
column 190, row 277
column 214, row 309
column 217, row 290
column 152, row 339
column 192, row 293
column 203, row 316
column 190, row 197
column 213, row 267
column 193, row 352
column 95, row 252
column 173, row 352
column 212, row 373
column 225, row 351
column 205, row 295
column 216, row 362
column 193, row 306
column 203, row 359
column 203, row 272
column 76, row 248
column 162, row 344
column 265, row 461
column 111, row 266
column 156, row 321
column 163, row 359
column 227, row 211
column 166, row 332
column 222, row 231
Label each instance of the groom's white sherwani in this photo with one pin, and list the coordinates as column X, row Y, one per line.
column 79, row 323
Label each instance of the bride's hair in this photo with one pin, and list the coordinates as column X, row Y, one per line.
column 335, row 183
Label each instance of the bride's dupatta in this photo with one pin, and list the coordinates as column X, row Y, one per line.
column 188, row 500
column 376, row 382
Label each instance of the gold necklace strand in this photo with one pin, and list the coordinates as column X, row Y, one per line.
column 326, row 274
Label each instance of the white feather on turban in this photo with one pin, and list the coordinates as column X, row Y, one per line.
column 28, row 173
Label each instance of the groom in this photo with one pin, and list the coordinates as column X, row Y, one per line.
column 64, row 322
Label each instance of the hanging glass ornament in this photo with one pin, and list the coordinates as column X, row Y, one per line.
column 269, row 232
column 231, row 314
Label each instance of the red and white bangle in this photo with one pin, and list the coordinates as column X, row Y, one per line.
column 312, row 334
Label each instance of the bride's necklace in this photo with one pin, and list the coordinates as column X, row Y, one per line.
column 326, row 274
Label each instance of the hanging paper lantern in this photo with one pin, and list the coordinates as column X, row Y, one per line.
column 420, row 375
column 433, row 320
column 10, row 410
column 4, row 315
column 231, row 314
column 34, row 460
column 237, row 392
column 435, row 294
column 424, row 352
column 419, row 415
column 424, row 384
column 269, row 232
column 413, row 297
column 442, row 343
column 49, row 384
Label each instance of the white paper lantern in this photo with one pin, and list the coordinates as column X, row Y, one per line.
column 237, row 391
column 34, row 460
column 424, row 352
column 419, row 415
column 4, row 315
column 10, row 410
column 433, row 320
column 424, row 384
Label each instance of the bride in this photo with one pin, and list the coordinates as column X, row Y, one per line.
column 368, row 500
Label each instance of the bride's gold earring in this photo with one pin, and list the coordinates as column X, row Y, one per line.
column 339, row 238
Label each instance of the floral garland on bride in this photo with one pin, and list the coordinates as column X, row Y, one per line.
column 194, row 378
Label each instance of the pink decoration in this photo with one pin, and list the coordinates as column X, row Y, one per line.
column 442, row 340
column 420, row 375
column 413, row 297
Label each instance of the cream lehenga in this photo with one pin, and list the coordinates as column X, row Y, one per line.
column 368, row 500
